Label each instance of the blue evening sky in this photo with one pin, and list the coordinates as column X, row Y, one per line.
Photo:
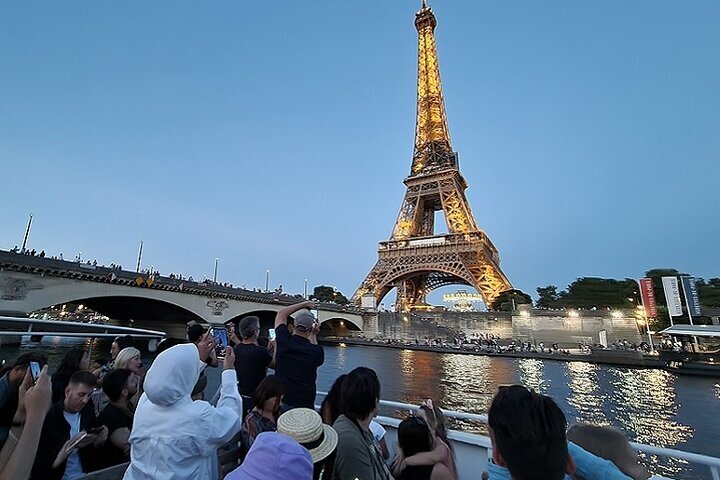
column 276, row 135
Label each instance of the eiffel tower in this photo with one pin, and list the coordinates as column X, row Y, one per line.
column 415, row 260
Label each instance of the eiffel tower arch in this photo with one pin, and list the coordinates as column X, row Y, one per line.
column 416, row 260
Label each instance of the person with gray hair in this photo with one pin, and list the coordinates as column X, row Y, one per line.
column 251, row 360
column 298, row 355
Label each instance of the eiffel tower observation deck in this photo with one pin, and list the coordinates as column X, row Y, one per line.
column 416, row 260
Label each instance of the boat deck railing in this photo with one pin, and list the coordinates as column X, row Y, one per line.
column 712, row 463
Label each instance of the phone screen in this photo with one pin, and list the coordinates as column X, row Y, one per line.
column 221, row 340
column 314, row 313
column 271, row 333
column 77, row 439
column 34, row 371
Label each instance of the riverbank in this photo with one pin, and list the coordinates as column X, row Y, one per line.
column 618, row 358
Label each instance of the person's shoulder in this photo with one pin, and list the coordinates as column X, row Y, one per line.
column 441, row 472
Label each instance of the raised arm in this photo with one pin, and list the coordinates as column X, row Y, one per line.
column 282, row 315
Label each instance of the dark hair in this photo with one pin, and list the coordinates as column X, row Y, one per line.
column 83, row 377
column 247, row 326
column 271, row 386
column 529, row 432
column 331, row 406
column 114, row 382
column 101, row 361
column 195, row 331
column 70, row 362
column 124, row 341
column 360, row 393
column 414, row 436
column 23, row 360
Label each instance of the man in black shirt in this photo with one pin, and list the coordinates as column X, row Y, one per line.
column 119, row 385
column 251, row 360
column 298, row 355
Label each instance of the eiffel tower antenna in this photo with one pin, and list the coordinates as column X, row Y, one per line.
column 416, row 260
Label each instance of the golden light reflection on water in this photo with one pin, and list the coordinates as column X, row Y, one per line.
column 585, row 395
column 531, row 375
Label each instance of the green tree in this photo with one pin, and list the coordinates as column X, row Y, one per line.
column 504, row 301
column 709, row 292
column 548, row 297
column 592, row 292
column 324, row 293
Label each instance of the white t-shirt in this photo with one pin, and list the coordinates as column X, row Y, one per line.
column 74, row 467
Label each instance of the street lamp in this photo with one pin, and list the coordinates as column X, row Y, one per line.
column 267, row 281
column 306, row 296
column 215, row 274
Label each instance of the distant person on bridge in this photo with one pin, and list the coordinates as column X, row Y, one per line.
column 298, row 355
column 251, row 360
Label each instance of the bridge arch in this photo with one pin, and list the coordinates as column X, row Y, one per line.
column 437, row 277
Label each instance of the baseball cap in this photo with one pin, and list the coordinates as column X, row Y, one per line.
column 273, row 456
column 304, row 320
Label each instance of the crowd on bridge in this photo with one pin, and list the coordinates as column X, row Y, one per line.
column 155, row 423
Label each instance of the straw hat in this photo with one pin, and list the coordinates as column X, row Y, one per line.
column 307, row 428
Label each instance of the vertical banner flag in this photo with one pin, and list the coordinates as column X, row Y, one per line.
column 692, row 299
column 648, row 297
column 672, row 296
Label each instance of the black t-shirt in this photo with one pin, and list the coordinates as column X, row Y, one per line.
column 251, row 363
column 296, row 364
column 113, row 418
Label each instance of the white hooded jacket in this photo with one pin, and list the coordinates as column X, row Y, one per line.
column 174, row 438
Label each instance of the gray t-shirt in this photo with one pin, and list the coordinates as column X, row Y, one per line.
column 356, row 457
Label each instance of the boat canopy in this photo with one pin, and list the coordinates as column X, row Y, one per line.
column 19, row 326
column 693, row 330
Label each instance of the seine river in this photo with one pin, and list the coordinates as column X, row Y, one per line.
column 650, row 406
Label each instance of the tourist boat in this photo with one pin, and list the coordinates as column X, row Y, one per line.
column 698, row 351
column 471, row 450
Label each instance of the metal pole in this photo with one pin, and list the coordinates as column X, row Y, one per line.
column 137, row 270
column 215, row 274
column 306, row 297
column 27, row 233
column 267, row 281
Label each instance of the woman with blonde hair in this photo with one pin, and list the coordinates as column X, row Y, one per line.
column 129, row 358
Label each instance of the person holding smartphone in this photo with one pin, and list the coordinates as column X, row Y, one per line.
column 251, row 360
column 298, row 355
column 71, row 435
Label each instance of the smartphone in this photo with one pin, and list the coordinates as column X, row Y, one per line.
column 221, row 340
column 314, row 313
column 35, row 371
column 96, row 430
column 271, row 333
column 76, row 440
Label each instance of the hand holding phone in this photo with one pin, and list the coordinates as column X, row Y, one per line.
column 271, row 334
column 35, row 371
column 73, row 443
column 221, row 341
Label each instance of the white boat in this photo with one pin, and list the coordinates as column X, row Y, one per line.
column 472, row 450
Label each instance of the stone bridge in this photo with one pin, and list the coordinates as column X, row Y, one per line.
column 30, row 283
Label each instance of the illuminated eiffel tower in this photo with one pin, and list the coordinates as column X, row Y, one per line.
column 415, row 260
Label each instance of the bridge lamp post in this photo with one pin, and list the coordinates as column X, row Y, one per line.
column 27, row 233
column 267, row 281
column 215, row 274
column 306, row 295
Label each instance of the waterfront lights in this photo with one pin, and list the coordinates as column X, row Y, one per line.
column 573, row 314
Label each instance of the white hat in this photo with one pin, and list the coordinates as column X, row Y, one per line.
column 307, row 428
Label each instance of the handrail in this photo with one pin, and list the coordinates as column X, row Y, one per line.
column 713, row 463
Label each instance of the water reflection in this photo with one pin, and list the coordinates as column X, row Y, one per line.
column 531, row 374
column 585, row 395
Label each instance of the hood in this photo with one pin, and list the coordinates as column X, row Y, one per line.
column 173, row 374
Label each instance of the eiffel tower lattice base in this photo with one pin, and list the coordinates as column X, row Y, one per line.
column 418, row 266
